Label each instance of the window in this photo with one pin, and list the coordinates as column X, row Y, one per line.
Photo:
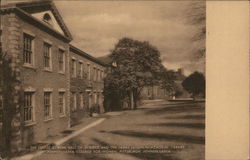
column 28, row 106
column 94, row 72
column 61, row 103
column 80, row 70
column 73, row 68
column 27, row 49
column 47, row 105
column 98, row 75
column 1, row 108
column 95, row 96
column 81, row 100
column 61, row 60
column 46, row 54
column 102, row 75
column 97, row 72
column 73, row 101
column 47, row 19
column 89, row 74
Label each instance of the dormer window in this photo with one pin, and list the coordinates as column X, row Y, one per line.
column 47, row 19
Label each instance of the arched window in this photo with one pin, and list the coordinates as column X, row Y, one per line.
column 47, row 19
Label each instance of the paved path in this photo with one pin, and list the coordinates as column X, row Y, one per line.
column 177, row 130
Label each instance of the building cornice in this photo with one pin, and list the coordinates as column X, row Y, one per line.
column 85, row 55
column 34, row 21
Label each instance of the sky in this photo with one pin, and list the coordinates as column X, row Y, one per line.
column 97, row 26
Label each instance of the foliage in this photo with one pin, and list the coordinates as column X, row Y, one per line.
column 168, row 78
column 195, row 84
column 9, row 81
column 138, row 64
column 95, row 108
column 196, row 16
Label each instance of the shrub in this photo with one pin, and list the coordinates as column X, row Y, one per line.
column 95, row 108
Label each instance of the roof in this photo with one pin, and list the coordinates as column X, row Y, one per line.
column 25, row 9
column 86, row 55
column 105, row 59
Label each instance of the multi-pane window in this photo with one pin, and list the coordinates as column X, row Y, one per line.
column 46, row 55
column 28, row 106
column 27, row 49
column 47, row 105
column 89, row 74
column 80, row 70
column 73, row 68
column 61, row 103
column 94, row 73
column 73, row 101
column 98, row 75
column 102, row 75
column 1, row 108
column 61, row 60
column 81, row 100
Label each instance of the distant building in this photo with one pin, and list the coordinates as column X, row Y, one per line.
column 156, row 92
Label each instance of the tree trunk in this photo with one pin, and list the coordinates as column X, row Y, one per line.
column 131, row 99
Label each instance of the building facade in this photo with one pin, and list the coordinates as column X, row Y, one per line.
column 86, row 84
column 58, row 82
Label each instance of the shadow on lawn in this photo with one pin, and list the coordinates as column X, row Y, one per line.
column 177, row 109
column 160, row 136
column 142, row 156
column 184, row 125
column 198, row 117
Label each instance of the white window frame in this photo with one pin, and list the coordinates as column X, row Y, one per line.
column 50, row 56
column 63, row 101
column 33, row 118
column 94, row 73
column 74, row 107
column 61, row 51
column 89, row 71
column 50, row 117
column 32, row 36
column 80, row 69
column 73, row 61
column 95, row 97
column 81, row 100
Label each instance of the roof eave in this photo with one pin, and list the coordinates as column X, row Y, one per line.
column 34, row 21
column 86, row 55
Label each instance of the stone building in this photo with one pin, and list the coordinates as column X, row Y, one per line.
column 58, row 82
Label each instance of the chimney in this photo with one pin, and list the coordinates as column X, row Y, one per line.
column 180, row 72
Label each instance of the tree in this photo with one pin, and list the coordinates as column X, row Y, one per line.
column 137, row 64
column 196, row 16
column 11, row 100
column 195, row 84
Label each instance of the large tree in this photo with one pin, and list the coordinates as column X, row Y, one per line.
column 196, row 16
column 138, row 64
column 195, row 84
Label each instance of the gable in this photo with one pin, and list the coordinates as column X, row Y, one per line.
column 38, row 8
column 52, row 22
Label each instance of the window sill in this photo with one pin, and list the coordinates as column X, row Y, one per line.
column 30, row 66
column 62, row 116
column 27, row 124
column 47, row 120
column 47, row 70
column 61, row 72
